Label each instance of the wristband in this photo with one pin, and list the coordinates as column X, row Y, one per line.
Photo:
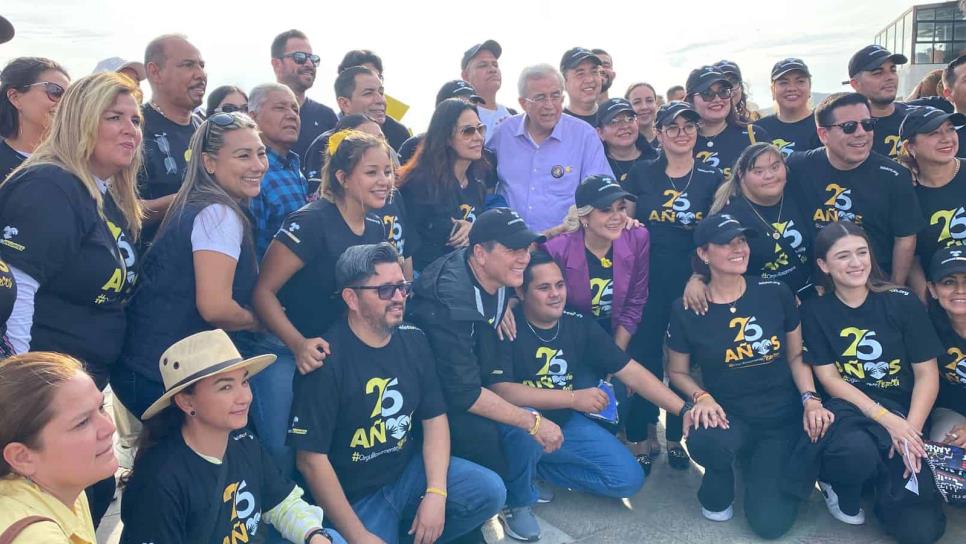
column 882, row 412
column 696, row 394
column 688, row 405
column 317, row 531
column 436, row 491
column 810, row 395
column 536, row 424
column 701, row 396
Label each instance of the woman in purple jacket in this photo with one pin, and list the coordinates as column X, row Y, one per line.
column 605, row 264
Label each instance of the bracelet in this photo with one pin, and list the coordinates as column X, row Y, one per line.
column 703, row 395
column 573, row 398
column 536, row 424
column 810, row 395
column 696, row 394
column 436, row 491
column 882, row 412
column 317, row 531
column 872, row 409
column 688, row 405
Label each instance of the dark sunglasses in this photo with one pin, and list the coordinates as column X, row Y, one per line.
column 223, row 120
column 53, row 90
column 386, row 292
column 229, row 108
column 469, row 131
column 301, row 56
column 850, row 127
column 709, row 95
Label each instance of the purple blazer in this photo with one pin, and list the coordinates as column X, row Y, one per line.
column 631, row 258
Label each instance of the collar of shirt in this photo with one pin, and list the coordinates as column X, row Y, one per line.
column 27, row 497
column 277, row 162
column 556, row 133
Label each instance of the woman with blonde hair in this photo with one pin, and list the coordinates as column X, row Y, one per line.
column 55, row 442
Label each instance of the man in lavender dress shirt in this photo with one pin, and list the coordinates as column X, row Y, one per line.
column 543, row 154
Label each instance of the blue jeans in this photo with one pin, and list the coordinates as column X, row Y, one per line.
column 475, row 494
column 591, row 460
column 272, row 399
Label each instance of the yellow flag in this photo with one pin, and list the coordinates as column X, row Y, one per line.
column 395, row 108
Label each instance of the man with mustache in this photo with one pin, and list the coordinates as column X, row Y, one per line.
column 295, row 66
column 607, row 74
column 873, row 74
column 352, row 420
column 176, row 74
column 481, row 69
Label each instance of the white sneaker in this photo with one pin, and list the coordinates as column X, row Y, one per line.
column 832, row 502
column 723, row 515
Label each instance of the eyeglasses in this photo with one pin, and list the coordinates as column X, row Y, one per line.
column 229, row 108
column 386, row 292
column 544, row 99
column 301, row 56
column 469, row 131
column 622, row 120
column 673, row 131
column 709, row 95
column 849, row 127
column 53, row 90
column 223, row 120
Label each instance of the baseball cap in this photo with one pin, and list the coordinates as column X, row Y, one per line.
column 728, row 67
column 784, row 66
column 720, row 229
column 667, row 113
column 6, row 30
column 701, row 79
column 116, row 64
column 458, row 89
column 946, row 262
column 923, row 119
column 505, row 226
column 488, row 45
column 611, row 108
column 600, row 191
column 871, row 57
column 573, row 57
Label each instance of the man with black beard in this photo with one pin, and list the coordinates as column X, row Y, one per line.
column 873, row 74
column 606, row 72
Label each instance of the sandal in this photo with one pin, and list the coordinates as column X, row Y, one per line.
column 645, row 461
column 678, row 458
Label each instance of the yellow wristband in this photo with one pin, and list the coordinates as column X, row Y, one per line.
column 436, row 491
column 882, row 412
column 536, row 424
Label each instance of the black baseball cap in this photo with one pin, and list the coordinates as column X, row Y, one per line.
column 667, row 113
column 488, row 45
column 720, row 229
column 701, row 79
column 600, row 191
column 6, row 30
column 728, row 67
column 505, row 226
column 923, row 119
column 458, row 89
column 871, row 57
column 573, row 57
column 784, row 66
column 611, row 108
column 946, row 262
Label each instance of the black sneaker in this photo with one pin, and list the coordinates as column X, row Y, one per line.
column 678, row 458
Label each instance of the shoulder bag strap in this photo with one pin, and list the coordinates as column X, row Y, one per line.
column 14, row 530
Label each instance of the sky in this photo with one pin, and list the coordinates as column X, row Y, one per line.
column 421, row 42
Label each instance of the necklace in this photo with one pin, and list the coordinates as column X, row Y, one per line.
column 774, row 232
column 157, row 108
column 542, row 339
column 686, row 185
column 732, row 305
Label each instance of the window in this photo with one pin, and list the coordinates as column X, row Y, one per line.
column 939, row 33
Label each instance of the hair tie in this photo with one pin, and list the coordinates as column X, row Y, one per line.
column 336, row 139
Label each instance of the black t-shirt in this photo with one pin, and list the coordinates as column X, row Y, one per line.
column 589, row 119
column 601, row 272
column 8, row 295
column 886, row 134
column 393, row 216
column 430, row 220
column 787, row 258
column 722, row 150
column 961, row 132
column 313, row 160
column 361, row 406
column 742, row 353
column 316, row 118
column 408, row 149
column 873, row 346
column 791, row 137
column 395, row 132
column 318, row 235
column 172, row 488
column 551, row 358
column 877, row 195
column 944, row 209
column 166, row 154
column 86, row 267
column 952, row 363
column 10, row 158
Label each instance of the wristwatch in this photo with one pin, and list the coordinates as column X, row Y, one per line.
column 684, row 409
column 810, row 395
column 318, row 531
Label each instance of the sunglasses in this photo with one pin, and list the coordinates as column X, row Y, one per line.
column 170, row 166
column 709, row 95
column 229, row 108
column 849, row 127
column 223, row 120
column 300, row 57
column 469, row 131
column 386, row 292
column 53, row 90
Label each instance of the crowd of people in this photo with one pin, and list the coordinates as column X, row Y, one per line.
column 321, row 328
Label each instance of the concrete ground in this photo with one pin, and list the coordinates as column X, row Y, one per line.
column 665, row 511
